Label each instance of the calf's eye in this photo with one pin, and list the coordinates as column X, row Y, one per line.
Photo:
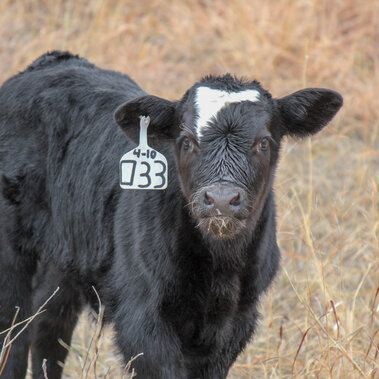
column 187, row 144
column 263, row 144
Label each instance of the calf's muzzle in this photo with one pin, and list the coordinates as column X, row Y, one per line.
column 223, row 200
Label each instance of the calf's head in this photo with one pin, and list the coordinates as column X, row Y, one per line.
column 226, row 134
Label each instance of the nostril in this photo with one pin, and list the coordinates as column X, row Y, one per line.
column 236, row 201
column 208, row 200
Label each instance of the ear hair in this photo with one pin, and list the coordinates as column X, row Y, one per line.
column 161, row 112
column 307, row 111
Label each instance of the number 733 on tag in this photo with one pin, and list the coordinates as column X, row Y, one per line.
column 143, row 169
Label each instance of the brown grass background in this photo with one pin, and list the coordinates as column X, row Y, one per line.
column 320, row 318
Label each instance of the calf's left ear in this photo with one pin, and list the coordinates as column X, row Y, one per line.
column 161, row 112
column 307, row 111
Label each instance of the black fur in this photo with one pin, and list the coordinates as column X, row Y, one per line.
column 176, row 291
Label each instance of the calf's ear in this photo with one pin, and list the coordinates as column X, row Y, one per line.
column 307, row 111
column 161, row 112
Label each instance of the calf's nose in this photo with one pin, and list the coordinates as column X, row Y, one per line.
column 223, row 200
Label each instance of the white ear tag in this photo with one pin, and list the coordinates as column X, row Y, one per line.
column 143, row 167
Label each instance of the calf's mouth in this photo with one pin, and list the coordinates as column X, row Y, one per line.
column 220, row 210
column 221, row 227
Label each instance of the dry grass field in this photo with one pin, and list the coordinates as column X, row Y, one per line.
column 321, row 317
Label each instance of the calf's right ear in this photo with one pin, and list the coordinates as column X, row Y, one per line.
column 307, row 111
column 161, row 112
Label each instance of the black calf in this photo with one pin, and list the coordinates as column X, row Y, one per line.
column 180, row 271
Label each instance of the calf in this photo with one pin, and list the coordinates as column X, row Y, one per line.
column 179, row 270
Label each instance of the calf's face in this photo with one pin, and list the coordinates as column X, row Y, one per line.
column 227, row 135
column 226, row 155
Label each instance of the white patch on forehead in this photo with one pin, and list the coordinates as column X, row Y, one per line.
column 209, row 101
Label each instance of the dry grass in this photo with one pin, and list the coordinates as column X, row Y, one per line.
column 320, row 319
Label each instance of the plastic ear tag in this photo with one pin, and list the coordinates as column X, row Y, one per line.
column 143, row 167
